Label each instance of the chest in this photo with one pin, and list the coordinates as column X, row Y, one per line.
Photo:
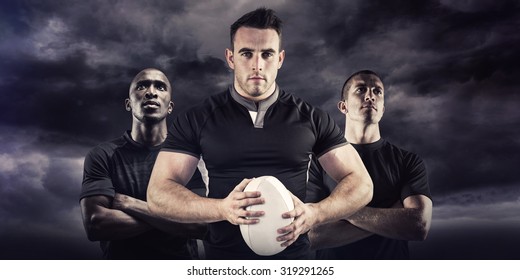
column 131, row 172
column 386, row 173
column 230, row 139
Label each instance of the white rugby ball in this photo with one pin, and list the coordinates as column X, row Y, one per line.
column 261, row 237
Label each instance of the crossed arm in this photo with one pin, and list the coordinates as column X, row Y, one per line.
column 106, row 218
column 410, row 220
column 168, row 197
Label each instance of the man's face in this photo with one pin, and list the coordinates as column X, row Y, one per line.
column 255, row 59
column 364, row 99
column 150, row 97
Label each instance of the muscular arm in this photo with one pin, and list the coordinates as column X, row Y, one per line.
column 411, row 222
column 335, row 234
column 354, row 188
column 167, row 195
column 353, row 191
column 101, row 222
column 107, row 218
column 139, row 209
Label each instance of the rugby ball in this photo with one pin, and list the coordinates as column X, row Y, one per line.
column 261, row 237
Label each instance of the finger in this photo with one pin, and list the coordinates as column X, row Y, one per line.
column 298, row 209
column 242, row 195
column 242, row 185
column 244, row 221
column 290, row 214
column 288, row 242
column 286, row 230
column 295, row 227
column 296, row 212
column 250, row 201
column 242, row 212
column 288, row 238
column 253, row 214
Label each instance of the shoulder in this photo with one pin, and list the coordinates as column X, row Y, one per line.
column 207, row 106
column 106, row 149
column 407, row 157
column 211, row 102
column 290, row 99
column 304, row 107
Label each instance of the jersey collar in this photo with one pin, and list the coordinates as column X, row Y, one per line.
column 262, row 105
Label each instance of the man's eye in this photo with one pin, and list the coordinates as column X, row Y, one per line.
column 247, row 54
column 161, row 88
column 361, row 89
column 267, row 55
column 140, row 87
column 377, row 91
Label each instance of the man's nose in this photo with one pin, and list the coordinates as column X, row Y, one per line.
column 369, row 95
column 258, row 63
column 150, row 92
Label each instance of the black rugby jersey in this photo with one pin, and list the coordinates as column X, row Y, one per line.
column 124, row 166
column 396, row 174
column 234, row 146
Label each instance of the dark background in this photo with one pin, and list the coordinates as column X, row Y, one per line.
column 450, row 68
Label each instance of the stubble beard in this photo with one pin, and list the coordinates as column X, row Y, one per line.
column 254, row 91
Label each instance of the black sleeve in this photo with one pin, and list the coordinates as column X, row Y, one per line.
column 415, row 177
column 329, row 135
column 96, row 174
column 182, row 136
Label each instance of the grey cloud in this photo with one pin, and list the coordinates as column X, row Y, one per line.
column 39, row 189
column 450, row 71
column 35, row 184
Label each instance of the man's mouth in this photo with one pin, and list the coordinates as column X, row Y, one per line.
column 256, row 78
column 151, row 104
column 369, row 106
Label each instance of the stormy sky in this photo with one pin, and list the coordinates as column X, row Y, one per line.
column 450, row 68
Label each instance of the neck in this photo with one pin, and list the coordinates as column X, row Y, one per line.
column 149, row 134
column 258, row 98
column 356, row 133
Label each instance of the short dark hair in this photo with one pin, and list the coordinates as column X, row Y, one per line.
column 261, row 18
column 348, row 82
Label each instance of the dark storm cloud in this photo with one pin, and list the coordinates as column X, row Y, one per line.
column 450, row 70
column 451, row 76
column 67, row 70
column 40, row 175
column 71, row 67
column 38, row 178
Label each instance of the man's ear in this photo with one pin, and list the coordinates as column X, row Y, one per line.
column 281, row 58
column 342, row 107
column 170, row 107
column 127, row 105
column 230, row 59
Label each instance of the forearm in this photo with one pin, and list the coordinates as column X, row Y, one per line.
column 173, row 201
column 335, row 234
column 353, row 190
column 139, row 209
column 110, row 224
column 351, row 194
column 396, row 223
column 186, row 230
column 168, row 197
